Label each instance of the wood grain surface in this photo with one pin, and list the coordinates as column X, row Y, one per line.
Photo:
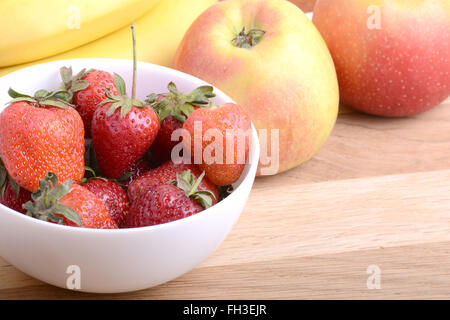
column 377, row 194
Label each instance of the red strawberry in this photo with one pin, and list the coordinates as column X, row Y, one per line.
column 166, row 173
column 123, row 128
column 121, row 137
column 113, row 196
column 86, row 90
column 165, row 203
column 41, row 134
column 222, row 161
column 11, row 194
column 137, row 170
column 161, row 149
column 173, row 108
column 69, row 204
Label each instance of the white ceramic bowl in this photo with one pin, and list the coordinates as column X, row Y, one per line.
column 117, row 260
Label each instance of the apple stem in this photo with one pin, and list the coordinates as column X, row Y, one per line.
column 133, row 34
column 248, row 39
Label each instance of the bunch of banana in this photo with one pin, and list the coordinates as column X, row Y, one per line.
column 45, row 28
column 159, row 32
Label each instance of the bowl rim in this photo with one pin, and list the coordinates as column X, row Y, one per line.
column 253, row 157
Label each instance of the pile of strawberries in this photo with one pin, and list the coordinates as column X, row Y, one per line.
column 88, row 155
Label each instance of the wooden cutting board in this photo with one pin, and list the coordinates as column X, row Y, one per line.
column 376, row 197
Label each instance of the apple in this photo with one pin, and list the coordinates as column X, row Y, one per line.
column 269, row 58
column 392, row 57
column 305, row 5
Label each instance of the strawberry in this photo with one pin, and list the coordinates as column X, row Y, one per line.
column 113, row 196
column 161, row 149
column 11, row 194
column 173, row 108
column 164, row 174
column 68, row 204
column 165, row 203
column 123, row 128
column 121, row 137
column 41, row 134
column 137, row 170
column 229, row 127
column 86, row 90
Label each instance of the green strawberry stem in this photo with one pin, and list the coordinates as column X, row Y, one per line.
column 186, row 182
column 45, row 204
column 196, row 184
column 90, row 174
column 4, row 178
column 71, row 84
column 180, row 105
column 41, row 98
column 133, row 35
column 122, row 102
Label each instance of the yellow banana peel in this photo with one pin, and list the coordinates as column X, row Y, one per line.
column 32, row 30
column 158, row 34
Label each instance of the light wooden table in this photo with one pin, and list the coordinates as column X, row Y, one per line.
column 377, row 194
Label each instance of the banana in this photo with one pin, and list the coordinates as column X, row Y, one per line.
column 158, row 34
column 32, row 30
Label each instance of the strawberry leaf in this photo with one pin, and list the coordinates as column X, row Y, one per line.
column 90, row 157
column 120, row 84
column 70, row 84
column 186, row 182
column 25, row 99
column 203, row 198
column 3, row 176
column 151, row 98
column 114, row 107
column 201, row 95
column 187, row 109
column 81, row 74
column 80, row 85
column 125, row 177
column 41, row 94
column 45, row 203
column 90, row 170
column 14, row 186
column 56, row 103
column 62, row 189
column 123, row 102
column 66, row 74
column 179, row 118
column 6, row 178
column 172, row 88
column 67, row 212
column 41, row 98
column 2, row 191
column 180, row 105
column 126, row 107
column 138, row 103
column 14, row 94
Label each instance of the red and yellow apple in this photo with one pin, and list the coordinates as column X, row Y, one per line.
column 305, row 5
column 392, row 57
column 268, row 57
